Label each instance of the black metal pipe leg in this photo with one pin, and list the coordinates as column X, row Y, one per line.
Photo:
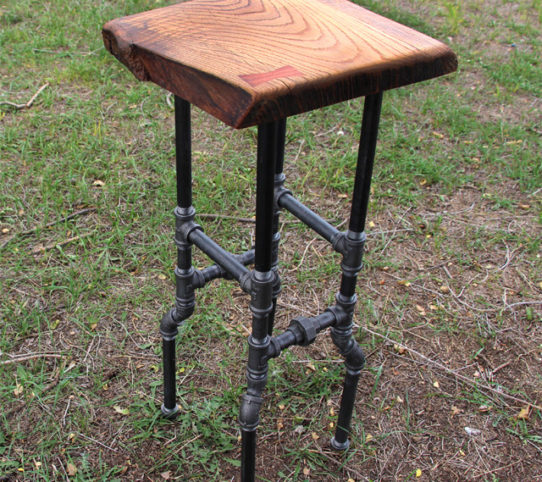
column 354, row 242
column 280, row 141
column 184, row 213
column 340, row 440
column 262, row 282
column 169, row 408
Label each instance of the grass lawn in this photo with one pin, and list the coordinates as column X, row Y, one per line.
column 450, row 298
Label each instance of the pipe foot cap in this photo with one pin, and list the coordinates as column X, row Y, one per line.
column 170, row 413
column 340, row 445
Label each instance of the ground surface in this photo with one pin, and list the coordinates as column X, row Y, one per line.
column 450, row 297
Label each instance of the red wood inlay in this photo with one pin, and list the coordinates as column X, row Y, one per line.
column 257, row 79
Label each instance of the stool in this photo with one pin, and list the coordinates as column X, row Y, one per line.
column 256, row 62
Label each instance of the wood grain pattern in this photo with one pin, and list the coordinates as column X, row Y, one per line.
column 253, row 61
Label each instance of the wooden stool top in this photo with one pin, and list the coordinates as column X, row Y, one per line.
column 247, row 62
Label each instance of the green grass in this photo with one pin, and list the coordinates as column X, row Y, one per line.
column 456, row 206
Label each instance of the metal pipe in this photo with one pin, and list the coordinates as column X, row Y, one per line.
column 265, row 165
column 364, row 168
column 302, row 331
column 219, row 255
column 248, row 455
column 216, row 271
column 340, row 440
column 309, row 217
column 280, row 141
column 183, row 150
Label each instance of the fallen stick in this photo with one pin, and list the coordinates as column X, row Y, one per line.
column 225, row 216
column 29, row 103
column 61, row 220
column 467, row 380
column 48, row 225
column 42, row 249
column 30, row 357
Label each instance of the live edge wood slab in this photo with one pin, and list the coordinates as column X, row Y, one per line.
column 248, row 62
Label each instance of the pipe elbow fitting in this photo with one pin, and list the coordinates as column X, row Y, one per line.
column 355, row 359
column 183, row 311
column 349, row 348
column 169, row 326
column 249, row 414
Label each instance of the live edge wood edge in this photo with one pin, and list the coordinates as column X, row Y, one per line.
column 240, row 106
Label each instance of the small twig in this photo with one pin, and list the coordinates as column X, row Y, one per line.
column 66, row 412
column 29, row 103
column 42, row 249
column 467, row 380
column 30, row 357
column 48, row 225
column 61, row 220
column 168, row 100
column 520, row 303
column 225, row 216
column 97, row 442
column 63, row 469
column 501, row 366
column 483, row 474
column 393, row 231
column 304, row 254
column 301, row 143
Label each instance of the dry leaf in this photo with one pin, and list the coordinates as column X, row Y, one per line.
column 421, row 310
column 444, row 289
column 472, row 431
column 98, row 183
column 524, row 413
column 368, row 438
column 372, row 225
column 484, row 408
column 282, row 406
column 18, row 390
column 311, row 366
column 315, row 436
column 436, row 384
column 166, row 475
column 524, row 206
column 122, row 411
column 399, row 349
column 306, row 471
column 455, row 410
column 71, row 469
